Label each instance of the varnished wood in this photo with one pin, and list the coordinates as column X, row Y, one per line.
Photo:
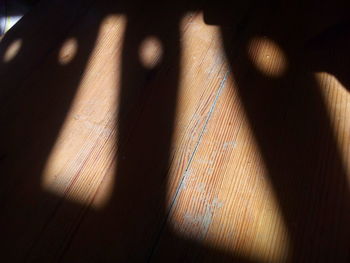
column 220, row 145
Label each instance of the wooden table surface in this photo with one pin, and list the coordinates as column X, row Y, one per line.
column 176, row 132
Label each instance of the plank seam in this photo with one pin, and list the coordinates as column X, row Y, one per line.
column 185, row 174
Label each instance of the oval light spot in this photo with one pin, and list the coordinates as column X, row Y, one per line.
column 150, row 52
column 267, row 56
column 68, row 51
column 12, row 50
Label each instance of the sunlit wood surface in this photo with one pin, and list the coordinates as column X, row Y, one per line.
column 127, row 140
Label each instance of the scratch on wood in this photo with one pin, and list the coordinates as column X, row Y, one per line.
column 197, row 224
column 229, row 145
column 185, row 177
column 180, row 187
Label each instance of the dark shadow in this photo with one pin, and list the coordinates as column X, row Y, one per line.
column 287, row 114
column 292, row 127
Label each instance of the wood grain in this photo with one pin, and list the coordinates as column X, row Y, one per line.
column 218, row 149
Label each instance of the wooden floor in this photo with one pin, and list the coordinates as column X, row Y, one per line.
column 148, row 132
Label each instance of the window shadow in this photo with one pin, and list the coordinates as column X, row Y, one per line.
column 287, row 114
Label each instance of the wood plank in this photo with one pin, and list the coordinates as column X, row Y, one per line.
column 195, row 155
column 139, row 205
column 85, row 152
column 269, row 182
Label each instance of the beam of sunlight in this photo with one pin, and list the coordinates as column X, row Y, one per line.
column 337, row 101
column 267, row 56
column 197, row 74
column 83, row 155
column 200, row 63
column 68, row 51
column 12, row 50
column 225, row 200
column 150, row 52
column 240, row 215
